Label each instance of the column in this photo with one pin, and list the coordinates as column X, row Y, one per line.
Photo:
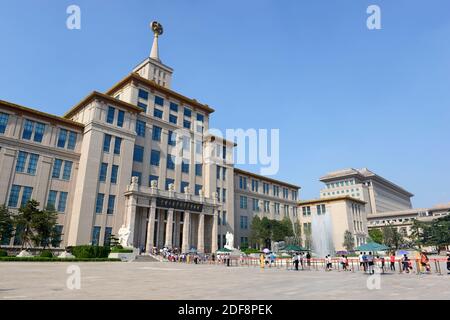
column 186, row 232
column 150, row 229
column 169, row 228
column 214, row 235
column 131, row 219
column 201, row 233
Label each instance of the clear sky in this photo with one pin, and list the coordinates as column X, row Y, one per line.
column 341, row 95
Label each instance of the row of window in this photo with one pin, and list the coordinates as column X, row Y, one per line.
column 169, row 181
column 104, row 172
column 27, row 163
column 266, row 187
column 96, row 236
column 320, row 209
column 221, row 194
column 243, row 204
column 56, row 200
column 340, row 183
column 107, row 143
column 221, row 173
column 99, row 203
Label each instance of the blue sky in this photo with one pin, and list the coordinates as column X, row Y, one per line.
column 341, row 95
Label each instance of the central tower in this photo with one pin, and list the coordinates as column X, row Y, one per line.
column 152, row 67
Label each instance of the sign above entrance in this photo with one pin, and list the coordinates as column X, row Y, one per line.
column 179, row 205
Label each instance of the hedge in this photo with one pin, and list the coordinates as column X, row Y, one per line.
column 41, row 259
column 46, row 254
column 90, row 252
column 117, row 250
column 3, row 253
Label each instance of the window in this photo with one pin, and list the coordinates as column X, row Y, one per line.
column 72, row 140
column 62, row 138
column 173, row 119
column 224, row 152
column 138, row 175
column 254, row 185
column 169, row 182
column 218, row 172
column 67, row 170
column 170, row 162
column 172, row 138
column 3, row 122
column 120, row 118
column 96, row 236
column 276, row 191
column 140, row 128
column 99, row 203
column 138, row 154
column 320, row 209
column 266, row 206
column 111, row 204
column 306, row 211
column 159, row 101
column 187, row 124
column 154, row 158
column 173, row 107
column 106, row 142
column 265, row 188
column 198, row 187
column 156, row 134
column 187, row 112
column 183, row 185
column 103, row 171
column 198, row 169
column 243, row 183
column 108, row 233
column 110, row 115
column 31, row 126
column 143, row 106
column 286, row 210
column 255, row 204
column 62, row 201
column 200, row 117
column 294, row 195
column 224, row 218
column 158, row 113
column 185, row 166
column 285, row 193
column 114, row 171
column 57, row 168
column 51, row 201
column 14, row 196
column 143, row 94
column 218, row 193
column 244, row 222
column 117, row 143
column 26, row 195
column 21, row 161
column 243, row 202
column 224, row 195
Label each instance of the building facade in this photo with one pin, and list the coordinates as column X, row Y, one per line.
column 345, row 214
column 380, row 194
column 256, row 195
column 136, row 160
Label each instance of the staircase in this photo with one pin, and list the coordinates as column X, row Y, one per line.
column 145, row 258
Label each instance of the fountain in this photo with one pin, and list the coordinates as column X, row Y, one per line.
column 321, row 235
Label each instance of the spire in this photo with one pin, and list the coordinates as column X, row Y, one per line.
column 157, row 31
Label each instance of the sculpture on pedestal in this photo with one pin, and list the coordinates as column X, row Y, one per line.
column 124, row 234
column 229, row 237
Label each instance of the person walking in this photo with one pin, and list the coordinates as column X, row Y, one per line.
column 329, row 265
column 424, row 262
column 344, row 263
column 405, row 263
column 392, row 261
column 370, row 263
column 301, row 260
column 361, row 261
column 382, row 260
column 308, row 259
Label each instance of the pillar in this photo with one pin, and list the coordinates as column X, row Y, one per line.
column 169, row 229
column 131, row 219
column 150, row 229
column 186, row 232
column 214, row 246
column 201, row 233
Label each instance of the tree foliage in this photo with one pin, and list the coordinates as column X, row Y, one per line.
column 376, row 235
column 431, row 233
column 6, row 223
column 264, row 231
column 349, row 241
column 392, row 238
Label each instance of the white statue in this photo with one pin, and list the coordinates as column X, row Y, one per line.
column 229, row 241
column 154, row 184
column 201, row 193
column 187, row 190
column 124, row 234
column 171, row 187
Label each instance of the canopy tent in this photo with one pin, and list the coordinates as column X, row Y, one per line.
column 372, row 246
column 293, row 247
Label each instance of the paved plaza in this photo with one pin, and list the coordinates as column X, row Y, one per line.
column 164, row 280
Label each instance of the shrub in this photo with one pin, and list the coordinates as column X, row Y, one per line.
column 251, row 250
column 89, row 252
column 121, row 250
column 46, row 254
column 3, row 253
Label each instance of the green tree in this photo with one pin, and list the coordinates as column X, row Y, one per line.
column 349, row 241
column 43, row 223
column 392, row 238
column 376, row 235
column 440, row 233
column 6, row 223
column 24, row 221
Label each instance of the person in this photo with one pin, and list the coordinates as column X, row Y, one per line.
column 370, row 263
column 448, row 262
column 361, row 261
column 329, row 265
column 295, row 261
column 405, row 262
column 308, row 259
column 382, row 260
column 392, row 261
column 301, row 259
column 261, row 260
column 228, row 259
column 424, row 262
column 344, row 263
column 213, row 258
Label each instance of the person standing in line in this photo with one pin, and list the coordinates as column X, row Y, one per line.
column 301, row 259
column 370, row 263
column 308, row 259
column 405, row 263
column 361, row 261
column 295, row 261
column 329, row 265
column 382, row 260
column 344, row 262
column 392, row 261
column 262, row 261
